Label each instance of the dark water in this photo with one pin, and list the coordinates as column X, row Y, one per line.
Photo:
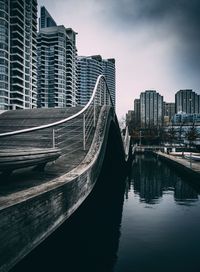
column 149, row 221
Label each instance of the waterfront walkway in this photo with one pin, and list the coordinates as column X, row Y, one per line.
column 189, row 165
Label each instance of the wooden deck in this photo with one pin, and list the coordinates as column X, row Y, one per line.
column 26, row 179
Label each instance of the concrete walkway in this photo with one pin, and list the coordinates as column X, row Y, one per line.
column 190, row 166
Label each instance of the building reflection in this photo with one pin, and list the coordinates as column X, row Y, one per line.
column 151, row 178
column 184, row 194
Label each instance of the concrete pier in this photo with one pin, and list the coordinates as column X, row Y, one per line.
column 189, row 166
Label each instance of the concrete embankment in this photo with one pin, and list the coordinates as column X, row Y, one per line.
column 189, row 166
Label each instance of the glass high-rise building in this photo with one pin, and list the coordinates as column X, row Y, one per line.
column 18, row 70
column 89, row 68
column 57, row 65
column 151, row 109
column 187, row 101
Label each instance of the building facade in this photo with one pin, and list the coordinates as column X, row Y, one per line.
column 109, row 73
column 187, row 101
column 168, row 109
column 130, row 121
column 137, row 118
column 168, row 112
column 57, row 67
column 18, row 58
column 151, row 109
column 89, row 68
column 45, row 19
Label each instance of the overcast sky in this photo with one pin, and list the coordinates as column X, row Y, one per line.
column 156, row 43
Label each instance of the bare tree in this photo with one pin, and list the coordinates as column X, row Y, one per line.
column 192, row 134
column 171, row 134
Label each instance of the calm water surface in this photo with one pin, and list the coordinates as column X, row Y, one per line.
column 160, row 228
column 148, row 222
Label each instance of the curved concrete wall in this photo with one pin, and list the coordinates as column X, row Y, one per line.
column 27, row 219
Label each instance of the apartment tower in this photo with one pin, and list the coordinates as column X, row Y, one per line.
column 151, row 109
column 57, row 70
column 18, row 67
column 187, row 101
column 89, row 68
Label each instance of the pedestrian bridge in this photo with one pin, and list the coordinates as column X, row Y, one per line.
column 50, row 160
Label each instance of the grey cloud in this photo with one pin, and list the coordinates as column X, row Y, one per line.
column 179, row 19
column 154, row 11
column 175, row 23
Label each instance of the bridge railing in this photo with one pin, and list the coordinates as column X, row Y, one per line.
column 70, row 134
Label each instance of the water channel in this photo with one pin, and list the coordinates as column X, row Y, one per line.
column 149, row 221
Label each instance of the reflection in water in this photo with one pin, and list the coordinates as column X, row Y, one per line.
column 184, row 193
column 157, row 233
column 152, row 178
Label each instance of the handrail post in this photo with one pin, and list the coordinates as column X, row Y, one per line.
column 105, row 94
column 84, row 131
column 54, row 144
column 100, row 96
column 94, row 114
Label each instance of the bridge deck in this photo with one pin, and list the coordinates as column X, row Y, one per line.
column 22, row 180
column 33, row 204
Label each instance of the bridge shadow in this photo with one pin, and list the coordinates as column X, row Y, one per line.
column 89, row 239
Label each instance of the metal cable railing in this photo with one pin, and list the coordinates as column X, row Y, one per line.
column 69, row 134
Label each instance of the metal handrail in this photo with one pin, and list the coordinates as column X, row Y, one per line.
column 95, row 90
column 67, row 134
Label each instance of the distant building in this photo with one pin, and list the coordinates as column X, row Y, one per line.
column 168, row 112
column 186, row 118
column 168, row 109
column 130, row 120
column 89, row 68
column 18, row 70
column 137, row 121
column 57, row 65
column 187, row 101
column 151, row 109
